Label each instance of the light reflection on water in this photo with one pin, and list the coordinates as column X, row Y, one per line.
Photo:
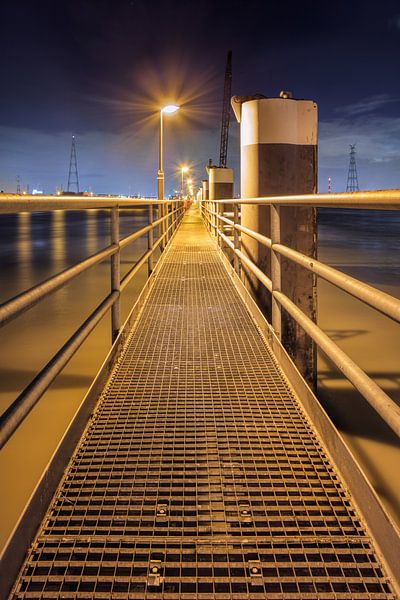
column 35, row 246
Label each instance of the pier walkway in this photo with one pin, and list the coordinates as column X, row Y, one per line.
column 199, row 474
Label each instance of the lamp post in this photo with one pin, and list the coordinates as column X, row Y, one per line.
column 169, row 110
column 183, row 170
column 190, row 187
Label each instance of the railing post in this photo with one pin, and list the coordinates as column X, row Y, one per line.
column 150, row 241
column 168, row 223
column 236, row 238
column 276, row 269
column 115, row 275
column 217, row 223
column 220, row 224
column 161, row 227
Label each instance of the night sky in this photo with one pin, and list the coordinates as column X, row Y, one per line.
column 100, row 69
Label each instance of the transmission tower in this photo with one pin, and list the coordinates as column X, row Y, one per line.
column 226, row 111
column 352, row 179
column 73, row 169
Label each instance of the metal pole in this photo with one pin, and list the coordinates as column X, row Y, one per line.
column 236, row 239
column 115, row 275
column 215, row 219
column 160, row 175
column 219, row 224
column 150, row 241
column 276, row 270
column 168, row 222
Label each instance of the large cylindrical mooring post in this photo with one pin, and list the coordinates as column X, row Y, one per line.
column 204, row 185
column 220, row 182
column 279, row 157
column 220, row 186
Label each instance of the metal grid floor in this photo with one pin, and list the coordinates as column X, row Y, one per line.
column 200, row 475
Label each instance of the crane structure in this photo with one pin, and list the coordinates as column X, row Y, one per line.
column 226, row 112
column 73, row 169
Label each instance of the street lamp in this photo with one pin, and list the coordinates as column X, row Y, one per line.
column 183, row 170
column 190, row 186
column 168, row 110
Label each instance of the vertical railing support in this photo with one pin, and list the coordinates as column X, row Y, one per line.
column 150, row 241
column 162, row 226
column 168, row 223
column 115, row 275
column 220, row 224
column 276, row 269
column 236, row 239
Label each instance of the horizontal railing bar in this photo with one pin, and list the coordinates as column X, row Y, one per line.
column 379, row 400
column 223, row 219
column 226, row 239
column 137, row 234
column 10, row 203
column 266, row 241
column 21, row 407
column 133, row 270
column 257, row 272
column 26, row 300
column 15, row 414
column 374, row 199
column 377, row 299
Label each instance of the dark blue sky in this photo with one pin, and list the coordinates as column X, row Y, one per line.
column 100, row 68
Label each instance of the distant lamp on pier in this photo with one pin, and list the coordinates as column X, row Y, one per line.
column 184, row 169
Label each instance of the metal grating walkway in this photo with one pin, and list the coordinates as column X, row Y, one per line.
column 200, row 475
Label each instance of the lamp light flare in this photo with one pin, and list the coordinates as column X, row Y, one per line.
column 170, row 109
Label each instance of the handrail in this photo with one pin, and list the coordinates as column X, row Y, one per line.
column 374, row 200
column 15, row 414
column 12, row 203
column 13, row 308
column 375, row 298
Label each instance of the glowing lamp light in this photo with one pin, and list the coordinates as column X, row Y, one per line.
column 184, row 169
column 170, row 109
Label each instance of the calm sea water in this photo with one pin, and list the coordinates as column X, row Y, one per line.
column 34, row 246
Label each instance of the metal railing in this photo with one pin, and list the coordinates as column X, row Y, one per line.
column 166, row 224
column 375, row 298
